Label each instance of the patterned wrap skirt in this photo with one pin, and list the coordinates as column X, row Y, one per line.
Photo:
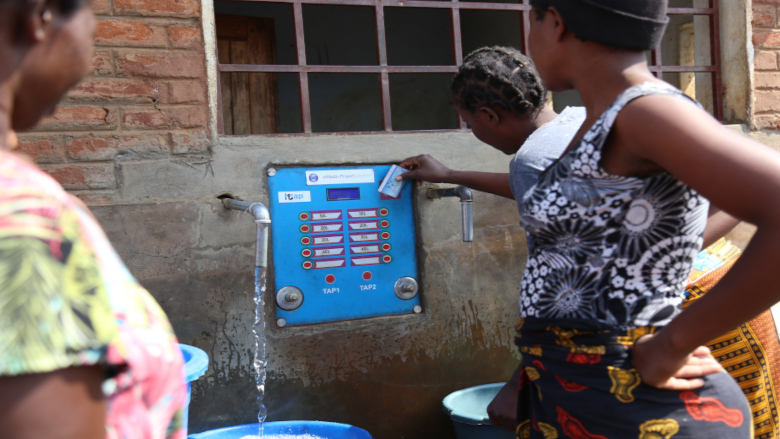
column 580, row 384
column 751, row 352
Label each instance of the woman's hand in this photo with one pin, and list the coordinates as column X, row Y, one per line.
column 660, row 367
column 425, row 168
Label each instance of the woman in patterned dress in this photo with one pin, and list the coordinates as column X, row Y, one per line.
column 85, row 351
column 614, row 227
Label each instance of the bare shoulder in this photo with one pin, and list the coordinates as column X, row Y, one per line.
column 679, row 137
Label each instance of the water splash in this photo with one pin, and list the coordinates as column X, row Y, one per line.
column 258, row 328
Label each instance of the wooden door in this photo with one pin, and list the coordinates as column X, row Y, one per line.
column 250, row 101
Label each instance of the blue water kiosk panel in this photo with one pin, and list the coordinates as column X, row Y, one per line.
column 341, row 249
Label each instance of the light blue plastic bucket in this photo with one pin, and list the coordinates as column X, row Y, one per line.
column 196, row 362
column 468, row 410
column 319, row 429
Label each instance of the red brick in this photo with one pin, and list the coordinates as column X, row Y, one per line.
column 189, row 143
column 765, row 60
column 161, row 65
column 74, row 177
column 187, row 117
column 774, row 2
column 766, row 39
column 768, row 80
column 145, row 119
column 161, row 8
column 111, row 147
column 185, row 92
column 185, row 36
column 174, row 117
column 101, row 7
column 77, row 118
column 42, row 149
column 101, row 63
column 764, row 15
column 92, row 198
column 767, row 102
column 130, row 33
column 116, row 90
column 768, row 122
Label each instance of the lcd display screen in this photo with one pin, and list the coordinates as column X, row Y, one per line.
column 342, row 194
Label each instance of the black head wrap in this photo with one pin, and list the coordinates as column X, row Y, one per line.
column 630, row 24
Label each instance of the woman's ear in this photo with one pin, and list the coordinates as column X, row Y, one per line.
column 490, row 115
column 37, row 18
column 557, row 23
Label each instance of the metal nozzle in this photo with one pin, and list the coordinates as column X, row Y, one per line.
column 466, row 199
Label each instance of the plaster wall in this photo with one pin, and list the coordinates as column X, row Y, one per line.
column 387, row 375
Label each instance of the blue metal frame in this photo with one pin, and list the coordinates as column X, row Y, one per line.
column 321, row 246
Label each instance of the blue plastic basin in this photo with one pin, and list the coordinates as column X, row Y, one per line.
column 468, row 410
column 196, row 362
column 327, row 430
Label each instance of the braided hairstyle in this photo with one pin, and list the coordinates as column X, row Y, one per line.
column 499, row 76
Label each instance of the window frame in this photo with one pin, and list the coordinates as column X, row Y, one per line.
column 454, row 7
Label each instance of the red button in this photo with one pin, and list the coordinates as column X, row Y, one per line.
column 383, row 211
column 387, row 258
column 367, row 275
column 385, row 247
column 305, row 228
column 304, row 216
column 384, row 223
column 330, row 278
column 385, row 235
column 305, row 240
column 306, row 252
column 307, row 265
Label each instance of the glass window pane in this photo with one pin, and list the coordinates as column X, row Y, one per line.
column 260, row 103
column 418, row 37
column 340, row 35
column 277, row 15
column 422, row 101
column 345, row 102
column 490, row 28
column 687, row 41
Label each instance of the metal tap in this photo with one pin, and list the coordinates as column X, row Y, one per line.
column 262, row 219
column 466, row 199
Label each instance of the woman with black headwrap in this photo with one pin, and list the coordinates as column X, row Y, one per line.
column 614, row 227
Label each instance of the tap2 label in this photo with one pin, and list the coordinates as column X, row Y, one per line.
column 295, row 197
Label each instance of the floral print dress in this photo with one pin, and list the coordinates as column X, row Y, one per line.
column 609, row 258
column 66, row 299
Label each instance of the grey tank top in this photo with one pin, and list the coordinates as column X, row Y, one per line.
column 608, row 250
column 542, row 148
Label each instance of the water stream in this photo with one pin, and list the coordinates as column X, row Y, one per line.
column 258, row 328
column 259, row 363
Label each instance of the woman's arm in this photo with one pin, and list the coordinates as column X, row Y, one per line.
column 427, row 168
column 65, row 404
column 738, row 175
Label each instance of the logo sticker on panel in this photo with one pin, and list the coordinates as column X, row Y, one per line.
column 295, row 197
column 339, row 176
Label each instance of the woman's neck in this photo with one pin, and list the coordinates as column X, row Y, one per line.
column 602, row 74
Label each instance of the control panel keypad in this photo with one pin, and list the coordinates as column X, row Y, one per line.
column 363, row 254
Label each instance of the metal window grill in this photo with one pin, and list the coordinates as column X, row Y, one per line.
column 454, row 6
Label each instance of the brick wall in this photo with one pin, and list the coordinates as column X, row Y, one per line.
column 146, row 98
column 766, row 41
